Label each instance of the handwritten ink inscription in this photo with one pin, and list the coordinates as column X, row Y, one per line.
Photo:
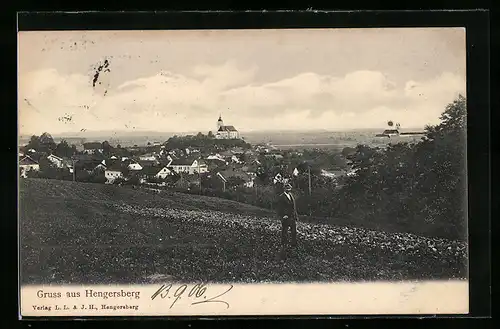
column 198, row 294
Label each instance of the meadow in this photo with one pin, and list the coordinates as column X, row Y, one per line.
column 84, row 233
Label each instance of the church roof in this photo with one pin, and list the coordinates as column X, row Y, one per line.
column 227, row 128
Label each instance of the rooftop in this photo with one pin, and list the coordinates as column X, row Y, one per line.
column 92, row 145
column 115, row 167
column 26, row 160
column 227, row 128
column 153, row 170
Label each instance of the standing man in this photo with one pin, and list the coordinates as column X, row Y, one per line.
column 287, row 212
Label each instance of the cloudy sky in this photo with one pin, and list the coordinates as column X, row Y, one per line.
column 178, row 81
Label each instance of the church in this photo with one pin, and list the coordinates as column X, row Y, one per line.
column 226, row 132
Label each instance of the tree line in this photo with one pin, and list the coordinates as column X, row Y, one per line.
column 411, row 187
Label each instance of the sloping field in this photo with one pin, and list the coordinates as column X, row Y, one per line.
column 93, row 233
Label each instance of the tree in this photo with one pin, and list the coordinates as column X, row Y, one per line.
column 347, row 151
column 420, row 187
column 119, row 181
column 46, row 139
column 235, row 181
column 44, row 143
column 34, row 143
column 106, row 148
column 63, row 149
column 210, row 134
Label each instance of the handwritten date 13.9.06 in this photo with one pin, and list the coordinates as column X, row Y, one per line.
column 197, row 294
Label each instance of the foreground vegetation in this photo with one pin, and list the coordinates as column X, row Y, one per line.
column 94, row 233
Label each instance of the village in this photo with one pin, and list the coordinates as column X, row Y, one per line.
column 216, row 161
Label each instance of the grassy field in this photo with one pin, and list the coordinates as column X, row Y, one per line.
column 92, row 233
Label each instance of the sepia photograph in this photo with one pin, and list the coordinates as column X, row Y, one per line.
column 166, row 158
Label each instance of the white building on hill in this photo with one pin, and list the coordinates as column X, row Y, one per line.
column 226, row 132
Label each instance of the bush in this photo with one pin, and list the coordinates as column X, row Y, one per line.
column 418, row 188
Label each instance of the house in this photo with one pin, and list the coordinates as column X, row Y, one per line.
column 157, row 172
column 226, row 132
column 227, row 175
column 57, row 161
column 148, row 163
column 92, row 148
column 216, row 157
column 237, row 150
column 352, row 173
column 112, row 173
column 389, row 133
column 148, row 157
column 235, row 159
column 250, row 168
column 134, row 166
column 333, row 173
column 188, row 166
column 191, row 150
column 26, row 163
column 215, row 164
column 274, row 155
column 226, row 154
column 90, row 165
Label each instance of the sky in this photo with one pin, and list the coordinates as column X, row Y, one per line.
column 181, row 81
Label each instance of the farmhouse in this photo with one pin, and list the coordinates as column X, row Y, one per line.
column 226, row 154
column 246, row 179
column 235, row 159
column 274, row 155
column 26, row 164
column 188, row 166
column 158, row 172
column 216, row 157
column 333, row 173
column 148, row 163
column 237, row 150
column 134, row 166
column 191, row 150
column 92, row 148
column 113, row 173
column 226, row 132
column 57, row 161
column 148, row 157
column 90, row 165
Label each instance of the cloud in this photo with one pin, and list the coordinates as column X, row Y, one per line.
column 168, row 101
column 356, row 92
column 224, row 76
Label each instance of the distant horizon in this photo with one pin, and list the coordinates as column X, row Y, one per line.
column 144, row 133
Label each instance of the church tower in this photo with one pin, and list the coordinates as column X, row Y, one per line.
column 220, row 123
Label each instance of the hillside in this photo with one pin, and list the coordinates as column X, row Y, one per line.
column 91, row 233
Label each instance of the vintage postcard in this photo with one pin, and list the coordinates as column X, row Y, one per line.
column 242, row 172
